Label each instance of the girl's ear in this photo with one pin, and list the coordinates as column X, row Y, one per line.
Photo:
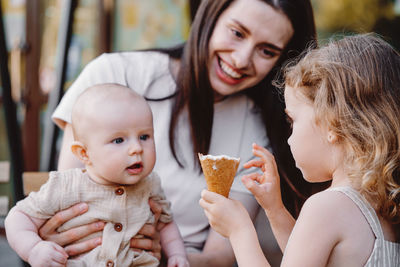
column 332, row 137
column 79, row 150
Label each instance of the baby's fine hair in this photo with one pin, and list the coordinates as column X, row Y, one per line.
column 354, row 86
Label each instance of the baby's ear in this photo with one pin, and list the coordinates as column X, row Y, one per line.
column 79, row 150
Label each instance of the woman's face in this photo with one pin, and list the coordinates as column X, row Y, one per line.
column 247, row 41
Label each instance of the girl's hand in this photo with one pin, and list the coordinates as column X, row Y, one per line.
column 151, row 234
column 225, row 215
column 46, row 253
column 48, row 231
column 266, row 186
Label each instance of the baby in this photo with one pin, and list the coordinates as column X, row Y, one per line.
column 113, row 133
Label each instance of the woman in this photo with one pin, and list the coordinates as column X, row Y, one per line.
column 214, row 96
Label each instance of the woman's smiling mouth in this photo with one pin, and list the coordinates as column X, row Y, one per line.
column 227, row 74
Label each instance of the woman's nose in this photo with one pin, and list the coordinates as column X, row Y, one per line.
column 241, row 57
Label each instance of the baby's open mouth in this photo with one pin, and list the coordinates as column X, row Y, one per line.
column 135, row 168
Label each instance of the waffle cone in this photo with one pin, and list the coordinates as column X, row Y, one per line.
column 219, row 172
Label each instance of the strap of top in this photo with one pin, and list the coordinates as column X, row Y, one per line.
column 366, row 209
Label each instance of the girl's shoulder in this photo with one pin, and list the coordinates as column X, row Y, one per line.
column 331, row 219
column 331, row 204
column 335, row 210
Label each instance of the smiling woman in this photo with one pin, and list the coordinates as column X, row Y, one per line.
column 212, row 95
column 241, row 53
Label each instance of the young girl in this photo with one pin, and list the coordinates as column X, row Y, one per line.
column 343, row 101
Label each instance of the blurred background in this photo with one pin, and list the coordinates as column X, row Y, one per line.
column 46, row 43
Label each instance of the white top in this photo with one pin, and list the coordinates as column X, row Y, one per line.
column 236, row 126
column 385, row 253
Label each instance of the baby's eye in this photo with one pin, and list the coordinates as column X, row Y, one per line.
column 144, row 137
column 118, row 140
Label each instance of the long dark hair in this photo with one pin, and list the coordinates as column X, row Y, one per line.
column 195, row 92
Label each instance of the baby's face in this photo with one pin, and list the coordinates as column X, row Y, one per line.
column 120, row 145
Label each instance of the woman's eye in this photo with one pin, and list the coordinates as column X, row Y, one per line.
column 267, row 53
column 237, row 33
column 118, row 140
column 144, row 137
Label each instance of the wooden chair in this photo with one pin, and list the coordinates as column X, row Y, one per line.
column 32, row 181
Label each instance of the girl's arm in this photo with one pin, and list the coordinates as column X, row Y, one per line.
column 266, row 189
column 217, row 250
column 231, row 219
column 22, row 235
column 316, row 233
column 172, row 245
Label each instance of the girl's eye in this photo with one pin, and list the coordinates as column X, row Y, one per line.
column 237, row 33
column 118, row 140
column 144, row 137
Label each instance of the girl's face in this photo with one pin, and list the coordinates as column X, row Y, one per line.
column 247, row 41
column 315, row 156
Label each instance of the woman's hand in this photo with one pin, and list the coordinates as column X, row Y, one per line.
column 225, row 215
column 266, row 186
column 151, row 234
column 48, row 231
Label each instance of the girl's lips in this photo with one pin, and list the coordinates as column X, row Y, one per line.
column 224, row 76
column 134, row 169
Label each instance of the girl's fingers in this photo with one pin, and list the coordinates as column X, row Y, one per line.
column 258, row 177
column 210, row 197
column 253, row 163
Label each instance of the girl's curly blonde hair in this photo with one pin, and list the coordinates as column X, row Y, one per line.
column 354, row 85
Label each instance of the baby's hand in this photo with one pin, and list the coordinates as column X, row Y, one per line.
column 266, row 186
column 46, row 253
column 224, row 215
column 178, row 260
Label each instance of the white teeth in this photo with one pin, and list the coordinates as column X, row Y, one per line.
column 229, row 71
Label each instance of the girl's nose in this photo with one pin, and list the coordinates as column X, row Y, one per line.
column 241, row 57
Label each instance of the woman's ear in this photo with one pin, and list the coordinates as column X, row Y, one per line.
column 332, row 137
column 79, row 150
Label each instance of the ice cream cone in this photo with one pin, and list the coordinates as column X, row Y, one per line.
column 219, row 172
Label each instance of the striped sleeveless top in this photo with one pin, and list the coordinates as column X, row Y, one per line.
column 385, row 253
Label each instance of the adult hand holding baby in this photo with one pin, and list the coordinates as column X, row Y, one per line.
column 150, row 242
